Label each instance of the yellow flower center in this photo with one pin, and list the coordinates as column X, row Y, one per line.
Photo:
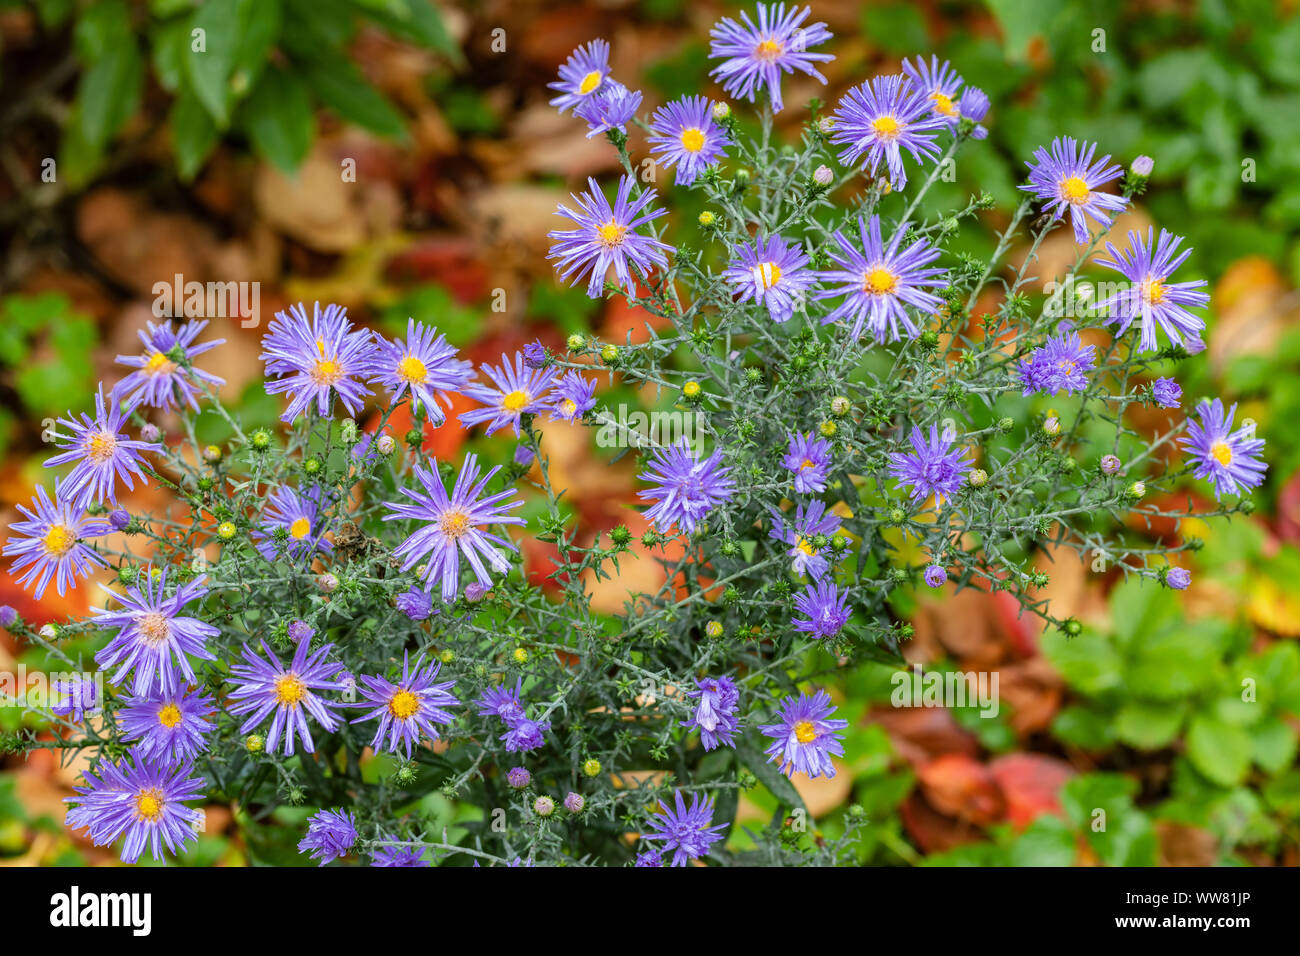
column 692, row 140
column 769, row 50
column 153, row 627
column 453, row 523
column 611, row 234
column 59, row 539
column 100, row 447
column 149, row 803
column 590, row 82
column 289, row 690
column 169, row 716
column 807, row 463
column 326, row 371
column 806, row 548
column 879, row 281
column 570, row 407
column 1066, row 366
column 805, row 732
column 767, row 274
column 886, row 127
column 412, row 369
column 403, row 705
column 943, row 104
column 158, row 364
column 1074, row 190
column 515, row 401
column 1222, row 453
column 1154, row 291
column 300, row 529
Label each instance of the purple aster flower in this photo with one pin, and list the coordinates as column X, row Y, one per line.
column 452, row 525
column 685, row 489
column 300, row 631
column 650, row 858
column 287, row 694
column 940, row 84
column 1178, row 578
column 524, row 735
column 8, row 616
column 879, row 283
column 518, row 777
column 683, row 134
column 715, row 712
column 407, row 710
column 1110, row 464
column 397, row 855
column 974, row 106
column 808, row 458
column 936, row 575
column 799, row 535
column 1167, row 393
column 574, row 802
column 534, row 354
column 608, row 108
column 755, row 55
column 825, row 610
column 169, row 728
column 687, row 830
column 1067, row 178
column 142, row 799
column 158, row 379
column 606, row 236
column 773, row 273
column 1034, row 373
column 931, row 468
column 1228, row 460
column 574, row 396
column 502, row 702
column 805, row 736
column 1160, row 304
column 583, row 74
column 102, row 451
column 1067, row 362
column 299, row 514
column 78, row 696
column 424, row 365
column 416, row 604
column 51, row 543
column 878, row 119
column 119, row 518
column 154, row 634
column 516, row 390
column 524, row 455
column 330, row 835
column 318, row 358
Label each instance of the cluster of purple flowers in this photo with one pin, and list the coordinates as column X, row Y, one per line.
column 717, row 701
column 522, row 734
column 1060, row 365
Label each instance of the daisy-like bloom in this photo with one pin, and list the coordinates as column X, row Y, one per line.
column 77, row 697
column 683, row 134
column 424, row 366
column 715, row 712
column 772, row 272
column 50, row 546
column 931, row 468
column 1034, row 373
column 142, row 799
column 1159, row 304
column 974, row 106
column 650, row 858
column 940, row 84
column 799, row 534
column 608, row 108
column 805, row 736
column 879, row 119
column 516, row 390
column 881, row 282
column 154, row 634
column 808, row 458
column 169, row 728
column 582, row 75
column 825, row 610
column 299, row 514
column 687, row 831
column 1167, row 393
column 1067, row 178
column 409, row 709
column 102, row 451
column 607, row 236
column 416, row 604
column 286, row 694
column 452, row 525
column 1228, row 460
column 685, row 489
column 330, row 835
column 397, row 855
column 1062, row 364
column 524, row 735
column 502, row 702
column 936, row 575
column 158, row 378
column 318, row 358
column 756, row 54
column 574, row 396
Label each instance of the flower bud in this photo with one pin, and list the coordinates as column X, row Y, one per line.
column 518, row 777
column 823, row 176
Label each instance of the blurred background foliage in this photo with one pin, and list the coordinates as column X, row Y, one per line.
column 1165, row 733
